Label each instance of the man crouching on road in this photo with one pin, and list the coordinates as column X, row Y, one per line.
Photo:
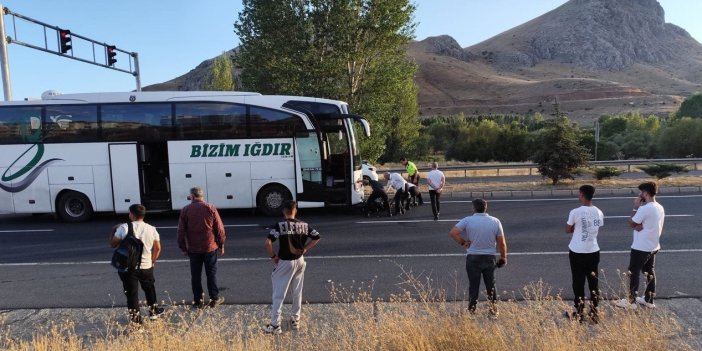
column 483, row 233
column 289, row 264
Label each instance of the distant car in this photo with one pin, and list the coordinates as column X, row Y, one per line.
column 368, row 171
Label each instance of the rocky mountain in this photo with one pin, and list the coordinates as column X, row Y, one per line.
column 594, row 56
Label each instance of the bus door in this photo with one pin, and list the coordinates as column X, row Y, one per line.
column 336, row 162
column 154, row 175
column 124, row 170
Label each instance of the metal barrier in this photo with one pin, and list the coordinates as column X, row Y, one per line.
column 533, row 166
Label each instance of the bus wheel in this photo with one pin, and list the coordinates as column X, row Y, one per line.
column 74, row 207
column 271, row 198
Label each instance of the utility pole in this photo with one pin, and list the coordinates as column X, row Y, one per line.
column 4, row 64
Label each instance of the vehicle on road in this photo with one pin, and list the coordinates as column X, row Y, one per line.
column 368, row 171
column 101, row 152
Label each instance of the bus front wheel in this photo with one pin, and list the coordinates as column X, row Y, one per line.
column 74, row 207
column 270, row 199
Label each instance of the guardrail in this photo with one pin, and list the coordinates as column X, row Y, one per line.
column 533, row 166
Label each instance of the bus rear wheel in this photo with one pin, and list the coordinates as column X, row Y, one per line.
column 74, row 207
column 270, row 199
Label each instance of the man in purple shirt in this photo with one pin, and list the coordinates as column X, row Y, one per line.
column 200, row 236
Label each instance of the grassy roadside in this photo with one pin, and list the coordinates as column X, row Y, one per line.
column 419, row 320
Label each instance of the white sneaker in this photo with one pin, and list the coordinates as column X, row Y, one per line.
column 641, row 301
column 625, row 304
column 272, row 329
column 294, row 325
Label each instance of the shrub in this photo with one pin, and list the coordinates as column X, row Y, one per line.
column 662, row 170
column 606, row 172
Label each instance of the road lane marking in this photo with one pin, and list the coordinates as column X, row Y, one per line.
column 573, row 198
column 249, row 259
column 458, row 220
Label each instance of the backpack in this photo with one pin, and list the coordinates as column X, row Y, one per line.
column 127, row 256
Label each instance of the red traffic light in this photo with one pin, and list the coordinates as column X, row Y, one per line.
column 111, row 53
column 65, row 40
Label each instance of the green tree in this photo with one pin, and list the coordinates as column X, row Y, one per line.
column 663, row 170
column 681, row 138
column 222, row 74
column 558, row 153
column 351, row 50
column 691, row 107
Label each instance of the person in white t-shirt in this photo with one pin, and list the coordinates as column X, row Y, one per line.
column 145, row 274
column 647, row 223
column 436, row 181
column 584, row 223
column 403, row 190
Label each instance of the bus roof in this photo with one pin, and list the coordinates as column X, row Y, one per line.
column 52, row 97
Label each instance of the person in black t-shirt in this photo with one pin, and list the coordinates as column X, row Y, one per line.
column 295, row 238
column 378, row 191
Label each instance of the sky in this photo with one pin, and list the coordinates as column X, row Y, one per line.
column 174, row 36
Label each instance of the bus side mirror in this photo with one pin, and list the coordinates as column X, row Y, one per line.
column 366, row 127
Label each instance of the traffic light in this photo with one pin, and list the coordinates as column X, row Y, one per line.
column 65, row 39
column 111, row 53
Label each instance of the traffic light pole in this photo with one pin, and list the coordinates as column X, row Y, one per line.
column 5, row 64
column 65, row 49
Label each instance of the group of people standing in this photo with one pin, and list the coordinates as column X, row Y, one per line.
column 483, row 238
column 201, row 237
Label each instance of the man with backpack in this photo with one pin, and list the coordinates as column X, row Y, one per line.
column 142, row 244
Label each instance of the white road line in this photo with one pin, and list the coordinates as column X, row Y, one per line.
column 26, row 230
column 569, row 199
column 390, row 256
column 457, row 220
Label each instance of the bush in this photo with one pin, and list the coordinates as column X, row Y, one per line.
column 662, row 170
column 606, row 172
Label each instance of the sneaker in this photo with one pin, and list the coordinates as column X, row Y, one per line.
column 215, row 302
column 272, row 329
column 625, row 304
column 197, row 305
column 294, row 325
column 155, row 313
column 641, row 301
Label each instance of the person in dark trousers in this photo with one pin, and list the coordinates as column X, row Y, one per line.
column 436, row 181
column 647, row 222
column 201, row 237
column 378, row 192
column 483, row 233
column 295, row 238
column 412, row 178
column 144, row 275
column 584, row 223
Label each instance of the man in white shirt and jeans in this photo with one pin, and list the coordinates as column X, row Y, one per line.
column 584, row 253
column 647, row 223
column 436, row 181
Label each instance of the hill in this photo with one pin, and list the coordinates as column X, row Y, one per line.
column 594, row 56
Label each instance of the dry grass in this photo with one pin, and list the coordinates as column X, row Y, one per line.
column 417, row 319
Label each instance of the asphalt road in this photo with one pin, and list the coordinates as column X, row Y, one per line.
column 45, row 263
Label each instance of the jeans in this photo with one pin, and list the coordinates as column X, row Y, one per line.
column 477, row 266
column 288, row 275
column 209, row 260
column 399, row 200
column 435, row 197
column 641, row 261
column 584, row 266
column 130, row 283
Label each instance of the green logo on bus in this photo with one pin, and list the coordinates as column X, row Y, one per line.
column 30, row 166
column 235, row 150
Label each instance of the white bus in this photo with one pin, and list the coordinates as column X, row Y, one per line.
column 77, row 154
